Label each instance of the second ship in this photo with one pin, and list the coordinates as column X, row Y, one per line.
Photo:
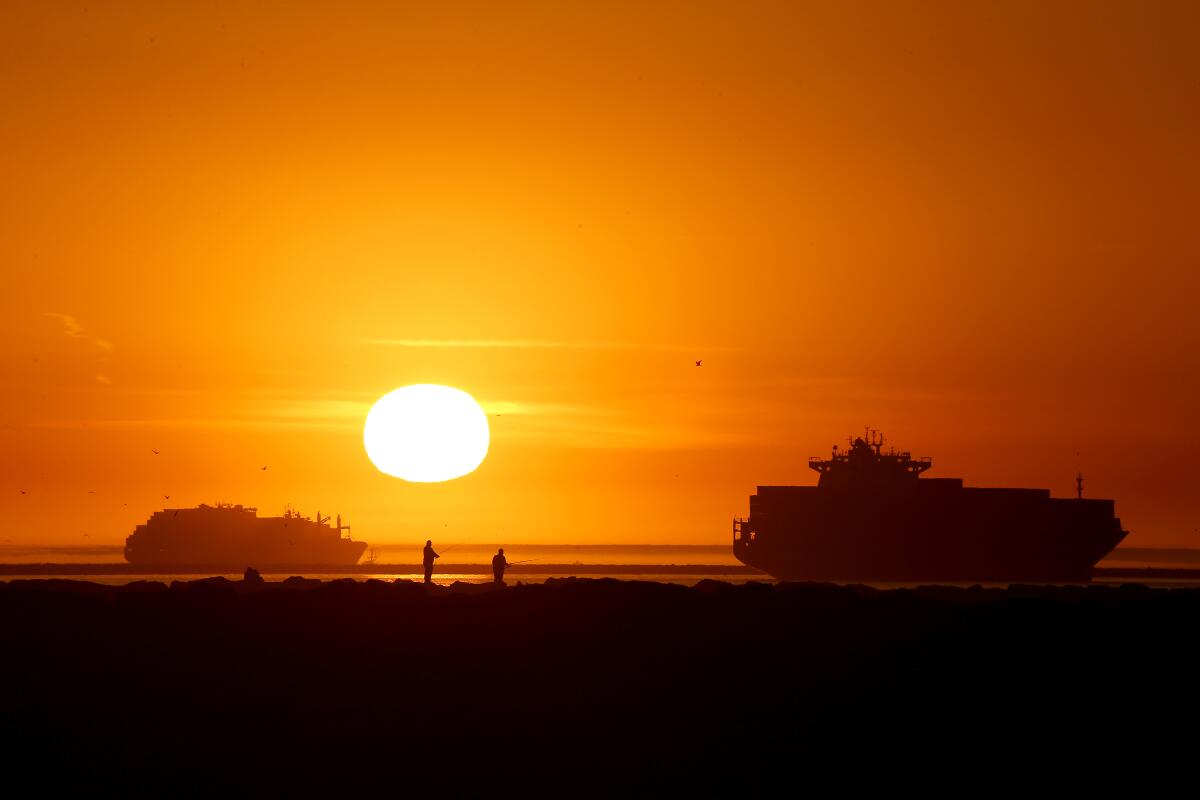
column 871, row 517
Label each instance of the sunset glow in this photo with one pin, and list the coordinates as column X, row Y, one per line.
column 230, row 228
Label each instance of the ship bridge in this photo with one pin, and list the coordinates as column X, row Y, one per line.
column 866, row 464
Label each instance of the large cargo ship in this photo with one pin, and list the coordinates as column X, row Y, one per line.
column 235, row 536
column 872, row 517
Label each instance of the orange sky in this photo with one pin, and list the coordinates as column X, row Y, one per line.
column 227, row 228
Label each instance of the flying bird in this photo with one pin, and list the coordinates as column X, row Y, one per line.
column 90, row 491
column 152, row 450
column 701, row 361
column 22, row 491
column 264, row 468
column 166, row 497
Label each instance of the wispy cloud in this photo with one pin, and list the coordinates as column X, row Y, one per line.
column 250, row 423
column 71, row 326
column 555, row 424
column 352, row 412
column 543, row 344
column 320, row 410
column 72, row 329
column 525, row 408
column 563, row 424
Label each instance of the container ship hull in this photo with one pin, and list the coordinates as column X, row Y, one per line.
column 235, row 537
column 872, row 520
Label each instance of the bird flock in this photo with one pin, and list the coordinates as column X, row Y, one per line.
column 26, row 492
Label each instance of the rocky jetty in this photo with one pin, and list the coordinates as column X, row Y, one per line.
column 578, row 683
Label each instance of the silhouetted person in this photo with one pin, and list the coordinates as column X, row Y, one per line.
column 499, row 562
column 429, row 556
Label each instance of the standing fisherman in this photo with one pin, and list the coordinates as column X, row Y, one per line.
column 499, row 562
column 429, row 556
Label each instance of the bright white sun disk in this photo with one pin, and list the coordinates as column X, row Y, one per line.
column 426, row 433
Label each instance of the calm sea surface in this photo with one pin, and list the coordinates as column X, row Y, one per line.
column 471, row 563
column 459, row 553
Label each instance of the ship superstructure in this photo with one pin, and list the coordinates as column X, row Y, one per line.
column 872, row 517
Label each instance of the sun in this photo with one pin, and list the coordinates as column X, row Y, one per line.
column 426, row 433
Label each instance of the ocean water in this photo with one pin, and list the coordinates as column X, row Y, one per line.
column 470, row 553
column 439, row 579
column 470, row 562
column 450, row 552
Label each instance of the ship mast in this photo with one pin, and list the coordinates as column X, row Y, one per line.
column 1079, row 486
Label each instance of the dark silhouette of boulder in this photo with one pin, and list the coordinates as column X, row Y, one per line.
column 142, row 586
column 300, row 582
column 218, row 583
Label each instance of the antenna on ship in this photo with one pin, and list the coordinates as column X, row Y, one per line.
column 1079, row 486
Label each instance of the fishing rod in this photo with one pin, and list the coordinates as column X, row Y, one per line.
column 456, row 544
column 524, row 561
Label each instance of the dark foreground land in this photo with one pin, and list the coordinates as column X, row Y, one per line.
column 576, row 684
